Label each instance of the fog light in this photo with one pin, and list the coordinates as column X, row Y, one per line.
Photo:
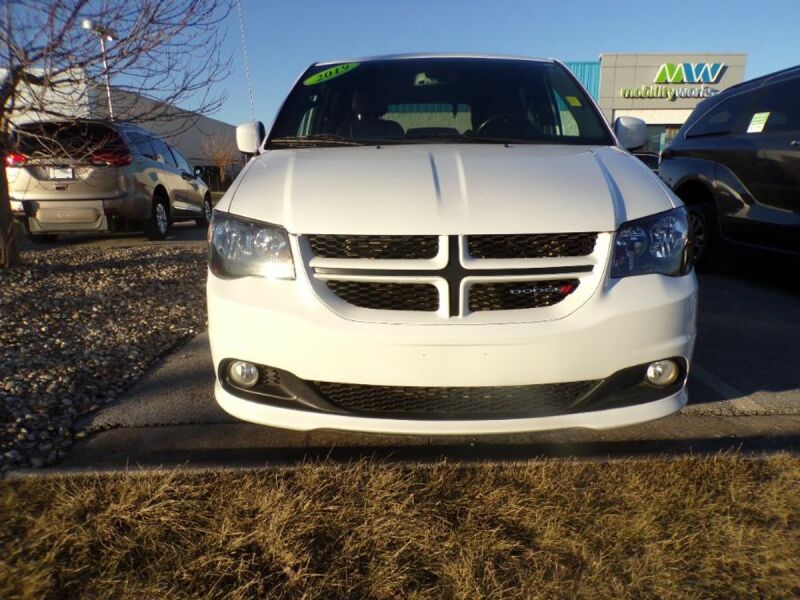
column 662, row 373
column 243, row 374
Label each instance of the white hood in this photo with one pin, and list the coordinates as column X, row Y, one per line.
column 448, row 189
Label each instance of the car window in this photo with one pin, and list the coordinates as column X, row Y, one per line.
column 722, row 119
column 141, row 144
column 434, row 99
column 163, row 154
column 74, row 139
column 419, row 118
column 778, row 109
column 183, row 164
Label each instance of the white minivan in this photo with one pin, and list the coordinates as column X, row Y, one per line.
column 448, row 244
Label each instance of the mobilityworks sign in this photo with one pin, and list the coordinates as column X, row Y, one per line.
column 689, row 72
column 678, row 73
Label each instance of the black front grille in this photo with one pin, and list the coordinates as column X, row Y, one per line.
column 519, row 294
column 534, row 245
column 505, row 402
column 386, row 295
column 374, row 246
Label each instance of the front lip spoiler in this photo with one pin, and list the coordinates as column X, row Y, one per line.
column 625, row 388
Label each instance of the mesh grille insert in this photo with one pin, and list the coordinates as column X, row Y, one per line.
column 519, row 294
column 387, row 296
column 374, row 246
column 534, row 245
column 457, row 402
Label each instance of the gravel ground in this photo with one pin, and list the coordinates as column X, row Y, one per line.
column 77, row 327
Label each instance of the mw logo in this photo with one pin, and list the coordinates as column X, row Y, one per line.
column 689, row 72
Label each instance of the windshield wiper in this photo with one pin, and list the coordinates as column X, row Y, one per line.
column 468, row 139
column 321, row 138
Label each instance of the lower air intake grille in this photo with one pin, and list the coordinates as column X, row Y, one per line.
column 505, row 402
column 387, row 296
column 519, row 294
column 534, row 245
column 375, row 246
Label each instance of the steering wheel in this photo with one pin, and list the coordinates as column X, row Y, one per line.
column 512, row 117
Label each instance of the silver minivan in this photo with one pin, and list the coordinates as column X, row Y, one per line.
column 97, row 176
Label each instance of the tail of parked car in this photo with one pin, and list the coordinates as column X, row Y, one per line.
column 95, row 176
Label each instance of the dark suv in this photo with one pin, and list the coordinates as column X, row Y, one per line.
column 736, row 165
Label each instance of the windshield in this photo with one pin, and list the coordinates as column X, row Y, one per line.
column 438, row 100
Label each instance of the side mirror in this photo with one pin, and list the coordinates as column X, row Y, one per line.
column 249, row 136
column 631, row 132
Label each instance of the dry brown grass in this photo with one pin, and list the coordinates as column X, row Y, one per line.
column 718, row 527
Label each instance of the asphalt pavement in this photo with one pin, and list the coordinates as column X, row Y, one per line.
column 744, row 393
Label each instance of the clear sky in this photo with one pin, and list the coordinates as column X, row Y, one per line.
column 284, row 37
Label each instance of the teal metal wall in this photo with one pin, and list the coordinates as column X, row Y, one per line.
column 588, row 73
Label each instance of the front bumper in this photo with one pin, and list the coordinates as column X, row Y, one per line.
column 283, row 324
column 67, row 216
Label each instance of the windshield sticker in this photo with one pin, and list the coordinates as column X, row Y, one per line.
column 573, row 101
column 327, row 74
column 758, row 122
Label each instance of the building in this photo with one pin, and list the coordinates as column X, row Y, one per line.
column 660, row 89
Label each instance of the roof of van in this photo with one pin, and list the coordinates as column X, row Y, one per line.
column 763, row 79
column 414, row 56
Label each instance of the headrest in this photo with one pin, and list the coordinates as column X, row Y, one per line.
column 363, row 104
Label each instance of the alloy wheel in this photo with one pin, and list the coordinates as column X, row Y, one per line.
column 161, row 218
column 698, row 234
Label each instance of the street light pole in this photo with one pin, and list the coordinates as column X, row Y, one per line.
column 104, row 34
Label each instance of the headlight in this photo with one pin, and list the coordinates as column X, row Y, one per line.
column 654, row 244
column 239, row 247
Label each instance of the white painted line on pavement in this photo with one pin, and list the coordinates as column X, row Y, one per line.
column 738, row 398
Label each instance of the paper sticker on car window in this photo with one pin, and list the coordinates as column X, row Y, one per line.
column 758, row 122
column 573, row 101
column 327, row 74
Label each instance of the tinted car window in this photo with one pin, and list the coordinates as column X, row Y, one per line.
column 778, row 108
column 72, row 139
column 163, row 154
column 141, row 144
column 425, row 99
column 183, row 164
column 721, row 119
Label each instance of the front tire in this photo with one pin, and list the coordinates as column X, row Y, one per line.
column 207, row 212
column 703, row 235
column 157, row 226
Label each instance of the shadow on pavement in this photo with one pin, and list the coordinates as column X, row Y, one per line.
column 748, row 324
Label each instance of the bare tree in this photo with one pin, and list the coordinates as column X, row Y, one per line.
column 222, row 154
column 157, row 53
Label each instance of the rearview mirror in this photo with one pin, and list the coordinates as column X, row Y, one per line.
column 631, row 132
column 249, row 136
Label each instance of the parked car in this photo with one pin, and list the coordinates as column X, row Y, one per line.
column 87, row 175
column 448, row 245
column 736, row 165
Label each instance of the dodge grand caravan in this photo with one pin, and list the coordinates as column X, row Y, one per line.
column 448, row 245
column 95, row 176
